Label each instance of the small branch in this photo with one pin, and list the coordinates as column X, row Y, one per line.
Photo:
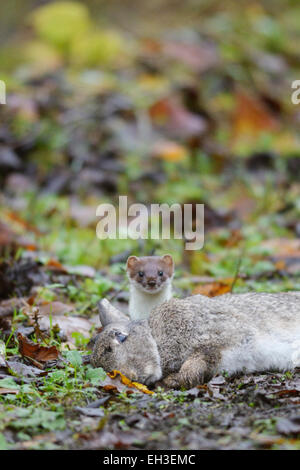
column 237, row 270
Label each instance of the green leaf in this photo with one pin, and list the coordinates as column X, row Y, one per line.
column 74, row 358
column 3, row 443
column 80, row 339
column 96, row 375
column 38, row 418
column 9, row 383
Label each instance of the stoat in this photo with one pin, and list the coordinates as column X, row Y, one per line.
column 150, row 280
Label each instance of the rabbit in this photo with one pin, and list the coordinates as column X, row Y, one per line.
column 185, row 342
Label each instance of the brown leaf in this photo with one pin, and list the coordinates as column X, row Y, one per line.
column 7, row 236
column 283, row 247
column 180, row 122
column 5, row 391
column 23, row 223
column 36, row 351
column 212, row 289
column 48, row 437
column 199, row 57
column 288, row 393
column 10, row 239
column 55, row 265
column 251, row 116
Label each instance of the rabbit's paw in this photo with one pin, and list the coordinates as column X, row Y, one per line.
column 172, row 381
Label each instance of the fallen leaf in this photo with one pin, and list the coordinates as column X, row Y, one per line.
column 81, row 270
column 5, row 391
column 288, row 426
column 200, row 57
column 283, row 247
column 124, row 380
column 35, row 351
column 47, row 437
column 180, row 122
column 68, row 324
column 93, row 412
column 169, row 151
column 23, row 223
column 251, row 116
column 8, row 158
column 288, row 393
column 9, row 238
column 55, row 265
column 218, row 380
column 54, row 308
column 266, row 441
column 212, row 289
column 23, row 370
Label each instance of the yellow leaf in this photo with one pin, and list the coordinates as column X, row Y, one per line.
column 128, row 383
column 97, row 48
column 142, row 388
column 169, row 151
column 59, row 22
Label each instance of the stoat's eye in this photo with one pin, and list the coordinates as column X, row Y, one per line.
column 160, row 273
column 141, row 273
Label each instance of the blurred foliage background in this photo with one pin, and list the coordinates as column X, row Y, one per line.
column 165, row 102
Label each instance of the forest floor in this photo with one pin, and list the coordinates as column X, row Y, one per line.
column 51, row 398
column 197, row 110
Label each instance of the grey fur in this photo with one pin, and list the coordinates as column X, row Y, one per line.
column 187, row 341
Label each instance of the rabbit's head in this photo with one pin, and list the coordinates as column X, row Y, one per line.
column 127, row 346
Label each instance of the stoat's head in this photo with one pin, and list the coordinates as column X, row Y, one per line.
column 150, row 273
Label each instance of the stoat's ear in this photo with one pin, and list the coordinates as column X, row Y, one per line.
column 168, row 260
column 131, row 262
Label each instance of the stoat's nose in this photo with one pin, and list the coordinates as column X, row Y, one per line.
column 152, row 283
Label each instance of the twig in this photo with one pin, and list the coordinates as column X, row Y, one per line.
column 237, row 270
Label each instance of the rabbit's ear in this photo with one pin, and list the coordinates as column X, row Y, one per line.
column 109, row 314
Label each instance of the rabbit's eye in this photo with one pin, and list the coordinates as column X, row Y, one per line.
column 160, row 273
column 141, row 273
column 120, row 337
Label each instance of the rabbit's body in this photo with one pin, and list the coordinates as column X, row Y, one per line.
column 187, row 341
column 247, row 332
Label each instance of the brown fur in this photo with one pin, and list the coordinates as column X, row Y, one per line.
column 150, row 267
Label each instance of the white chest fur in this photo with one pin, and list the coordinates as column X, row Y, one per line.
column 141, row 303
